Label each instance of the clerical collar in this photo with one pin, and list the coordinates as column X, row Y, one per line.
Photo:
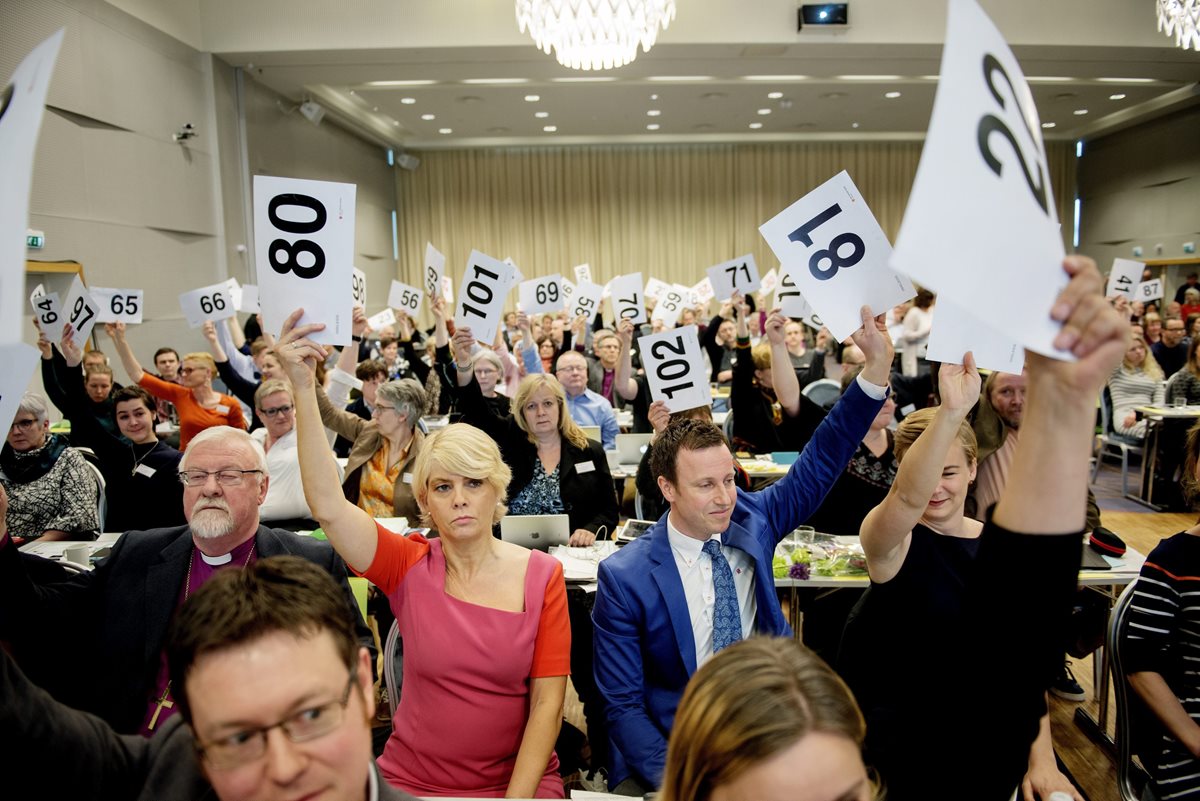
column 239, row 552
column 215, row 561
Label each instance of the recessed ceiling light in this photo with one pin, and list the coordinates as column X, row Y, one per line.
column 868, row 77
column 408, row 101
column 1079, row 112
column 1117, row 96
column 353, row 92
column 762, row 112
column 679, row 78
column 395, row 122
column 541, row 115
column 891, row 95
column 653, row 112
column 374, row 108
column 854, row 125
column 588, row 79
column 532, row 98
column 754, row 126
column 1125, row 80
column 652, row 126
column 1048, row 124
column 654, row 97
column 779, row 78
column 774, row 95
column 550, row 128
column 445, row 130
column 428, row 117
column 400, row 83
column 495, row 81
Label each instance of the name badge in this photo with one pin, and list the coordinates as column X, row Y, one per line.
column 406, row 478
column 222, row 409
column 144, row 470
column 584, row 467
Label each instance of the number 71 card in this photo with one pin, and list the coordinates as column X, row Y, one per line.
column 981, row 226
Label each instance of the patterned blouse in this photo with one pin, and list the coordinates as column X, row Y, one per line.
column 376, row 492
column 540, row 496
column 64, row 499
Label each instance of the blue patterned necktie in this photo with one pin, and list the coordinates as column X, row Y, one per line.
column 727, row 617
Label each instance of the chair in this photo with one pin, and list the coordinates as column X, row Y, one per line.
column 637, row 505
column 728, row 428
column 1138, row 729
column 1108, row 441
column 101, row 498
column 824, row 392
column 393, row 666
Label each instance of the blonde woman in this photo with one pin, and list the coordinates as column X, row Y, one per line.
column 198, row 404
column 484, row 622
column 1138, row 381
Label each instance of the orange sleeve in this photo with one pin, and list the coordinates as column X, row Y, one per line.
column 236, row 418
column 395, row 554
column 552, row 647
column 162, row 389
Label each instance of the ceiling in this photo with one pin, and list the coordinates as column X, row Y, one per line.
column 473, row 97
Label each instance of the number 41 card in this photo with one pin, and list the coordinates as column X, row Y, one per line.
column 980, row 227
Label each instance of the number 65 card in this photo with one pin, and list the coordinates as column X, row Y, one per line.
column 980, row 226
column 837, row 255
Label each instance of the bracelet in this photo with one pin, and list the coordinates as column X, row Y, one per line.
column 355, row 338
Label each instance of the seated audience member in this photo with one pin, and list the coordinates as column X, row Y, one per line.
column 718, row 341
column 766, row 719
column 1191, row 302
column 253, row 650
column 93, row 358
column 931, row 613
column 379, row 467
column 1137, row 381
column 198, row 404
column 118, row 613
column 555, row 468
column 1170, row 351
column 1186, row 383
column 918, row 322
column 53, row 493
column 633, row 388
column 284, row 505
column 1191, row 282
column 710, row 559
column 389, row 354
column 372, row 374
column 484, row 622
column 166, row 362
column 585, row 407
column 1160, row 638
column 799, row 353
column 242, row 388
column 488, row 370
column 546, row 350
column 602, row 367
column 1152, row 324
column 141, row 475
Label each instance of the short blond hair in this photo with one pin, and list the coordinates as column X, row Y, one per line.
column 915, row 424
column 567, row 427
column 465, row 451
column 204, row 358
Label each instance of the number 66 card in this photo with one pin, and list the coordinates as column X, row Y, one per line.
column 981, row 226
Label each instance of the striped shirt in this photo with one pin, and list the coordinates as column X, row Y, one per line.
column 1164, row 637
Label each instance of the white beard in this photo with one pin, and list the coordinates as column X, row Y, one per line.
column 211, row 524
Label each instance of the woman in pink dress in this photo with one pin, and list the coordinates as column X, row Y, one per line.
column 484, row 622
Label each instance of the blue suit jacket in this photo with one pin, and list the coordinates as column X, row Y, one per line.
column 644, row 649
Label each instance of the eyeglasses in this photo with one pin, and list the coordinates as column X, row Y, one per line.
column 226, row 478
column 277, row 410
column 23, row 425
column 486, row 371
column 572, row 368
column 380, row 409
column 250, row 745
column 189, row 370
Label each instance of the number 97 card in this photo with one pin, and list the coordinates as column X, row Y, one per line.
column 304, row 253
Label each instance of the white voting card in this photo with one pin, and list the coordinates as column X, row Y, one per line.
column 671, row 303
column 583, row 273
column 247, row 301
column 212, row 302
column 405, row 298
column 628, row 298
column 769, row 280
column 447, row 289
column 585, row 300
column 835, row 251
column 703, row 291
column 541, row 295
column 736, row 275
column 981, row 217
column 20, row 361
column 117, row 305
column 382, row 319
column 957, row 330
column 48, row 310
column 655, row 287
column 1149, row 290
column 435, row 268
column 304, row 249
column 20, row 119
column 480, row 307
column 675, row 368
column 1124, row 278
column 358, row 288
column 517, row 276
column 80, row 310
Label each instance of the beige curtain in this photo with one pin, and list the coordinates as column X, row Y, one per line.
column 668, row 211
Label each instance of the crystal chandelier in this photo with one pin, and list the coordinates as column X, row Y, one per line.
column 594, row 34
column 1180, row 18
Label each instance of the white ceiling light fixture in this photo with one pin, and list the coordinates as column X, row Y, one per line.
column 1181, row 19
column 594, row 34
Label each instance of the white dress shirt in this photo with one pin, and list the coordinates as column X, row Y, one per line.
column 696, row 573
column 285, row 494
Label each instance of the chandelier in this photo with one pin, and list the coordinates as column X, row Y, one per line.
column 594, row 34
column 1180, row 18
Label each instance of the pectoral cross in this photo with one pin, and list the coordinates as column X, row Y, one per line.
column 164, row 702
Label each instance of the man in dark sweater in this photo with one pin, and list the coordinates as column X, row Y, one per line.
column 1170, row 352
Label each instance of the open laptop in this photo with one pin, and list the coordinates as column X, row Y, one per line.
column 592, row 432
column 630, row 448
column 536, row 532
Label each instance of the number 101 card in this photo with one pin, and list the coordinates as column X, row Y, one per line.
column 980, row 226
column 304, row 253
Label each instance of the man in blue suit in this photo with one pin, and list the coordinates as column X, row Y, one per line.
column 669, row 600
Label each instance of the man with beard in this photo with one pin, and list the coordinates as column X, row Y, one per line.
column 117, row 615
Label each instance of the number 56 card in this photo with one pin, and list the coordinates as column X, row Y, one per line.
column 980, row 226
column 831, row 245
column 304, row 253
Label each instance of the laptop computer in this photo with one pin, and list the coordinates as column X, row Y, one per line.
column 592, row 432
column 630, row 448
column 536, row 532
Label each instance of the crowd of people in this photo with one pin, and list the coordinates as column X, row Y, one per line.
column 214, row 628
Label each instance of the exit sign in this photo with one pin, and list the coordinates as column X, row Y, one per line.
column 35, row 239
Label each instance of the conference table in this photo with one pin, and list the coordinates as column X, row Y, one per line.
column 1157, row 418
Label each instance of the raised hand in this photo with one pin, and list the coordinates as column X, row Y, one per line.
column 876, row 344
column 71, row 351
column 115, row 331
column 210, row 331
column 959, row 384
column 43, row 344
column 358, row 322
column 625, row 332
column 462, row 343
column 823, row 338
column 776, row 323
column 298, row 355
column 523, row 323
column 659, row 416
column 1093, row 331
